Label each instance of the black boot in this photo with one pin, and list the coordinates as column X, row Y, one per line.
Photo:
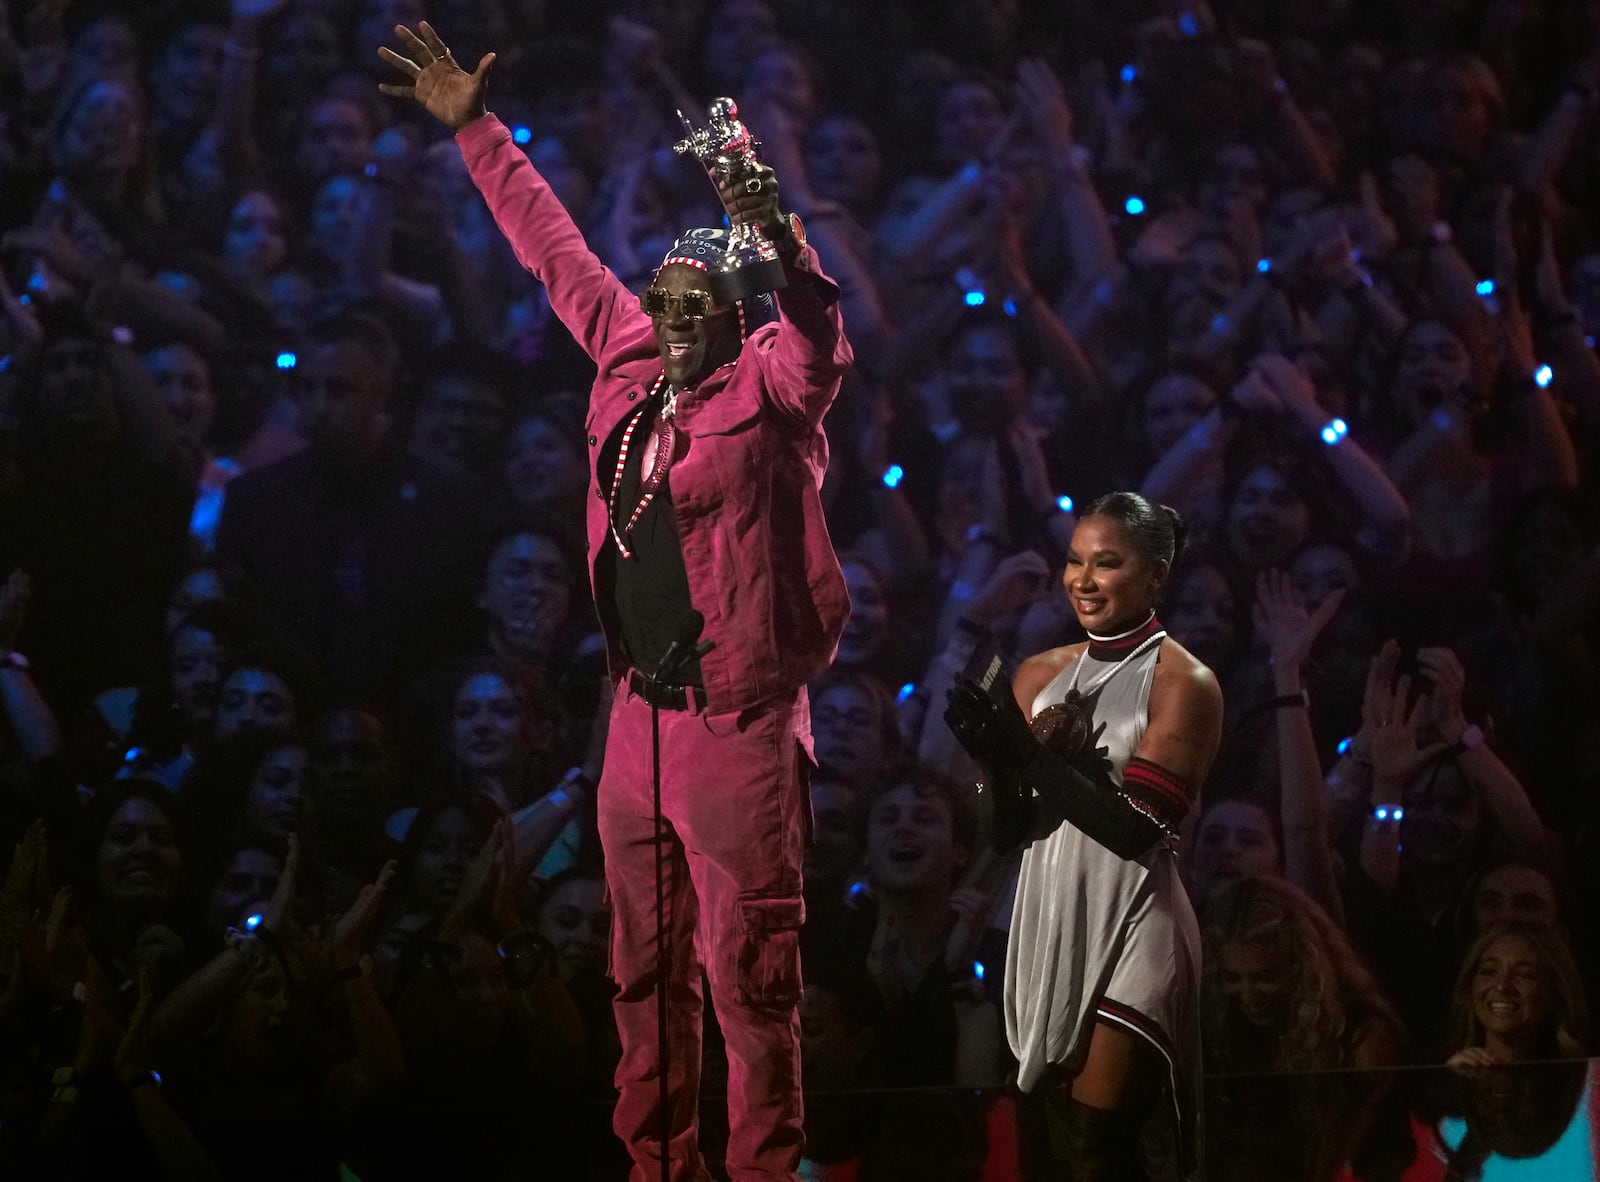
column 1095, row 1144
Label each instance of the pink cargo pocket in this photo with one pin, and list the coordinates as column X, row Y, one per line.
column 768, row 969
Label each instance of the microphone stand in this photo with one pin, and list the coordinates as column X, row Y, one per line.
column 676, row 656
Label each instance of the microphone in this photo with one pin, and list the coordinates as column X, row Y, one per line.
column 684, row 646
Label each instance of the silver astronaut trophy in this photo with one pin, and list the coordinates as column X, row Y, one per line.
column 751, row 265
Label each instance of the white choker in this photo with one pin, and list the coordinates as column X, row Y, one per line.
column 1144, row 623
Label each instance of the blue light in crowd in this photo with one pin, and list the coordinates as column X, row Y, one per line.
column 287, row 360
column 976, row 299
column 1334, row 431
column 906, row 691
column 1064, row 503
column 1134, row 206
column 1129, row 72
column 1386, row 813
column 521, row 134
column 1543, row 376
column 893, row 475
column 1010, row 307
column 252, row 922
column 977, row 969
column 1486, row 287
column 1344, row 745
column 1263, row 265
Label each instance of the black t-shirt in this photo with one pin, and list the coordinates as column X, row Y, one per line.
column 651, row 589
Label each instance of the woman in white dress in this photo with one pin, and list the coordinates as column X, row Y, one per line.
column 1094, row 760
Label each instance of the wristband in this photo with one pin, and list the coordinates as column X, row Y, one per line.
column 1357, row 287
column 1388, row 813
column 14, row 660
column 1333, row 432
column 525, row 956
column 141, row 1078
column 1268, row 270
column 1300, row 699
column 1470, row 740
column 981, row 534
column 1057, row 506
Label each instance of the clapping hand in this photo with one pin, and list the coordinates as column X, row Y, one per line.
column 1392, row 721
column 994, row 733
column 348, row 941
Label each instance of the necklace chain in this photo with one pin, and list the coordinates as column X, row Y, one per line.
column 1148, row 643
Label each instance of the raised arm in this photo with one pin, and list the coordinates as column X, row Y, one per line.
column 584, row 294
column 1289, row 630
column 805, row 360
column 1385, row 516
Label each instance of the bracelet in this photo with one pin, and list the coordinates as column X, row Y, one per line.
column 65, row 1080
column 1268, row 270
column 14, row 660
column 140, row 1079
column 525, row 956
column 1356, row 288
column 1561, row 320
column 1470, row 740
column 982, row 535
column 1387, row 812
column 1300, row 699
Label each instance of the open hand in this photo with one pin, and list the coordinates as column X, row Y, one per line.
column 1282, row 621
column 446, row 91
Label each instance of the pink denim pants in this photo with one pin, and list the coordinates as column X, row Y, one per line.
column 733, row 791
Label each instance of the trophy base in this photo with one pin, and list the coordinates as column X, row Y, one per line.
column 752, row 279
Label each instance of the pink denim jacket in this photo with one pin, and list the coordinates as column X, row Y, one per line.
column 746, row 491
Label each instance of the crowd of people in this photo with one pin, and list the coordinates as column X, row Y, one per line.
column 303, row 696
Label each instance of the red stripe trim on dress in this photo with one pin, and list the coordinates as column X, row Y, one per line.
column 1125, row 1016
column 1158, row 790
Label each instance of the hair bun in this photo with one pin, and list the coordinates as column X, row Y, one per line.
column 1180, row 531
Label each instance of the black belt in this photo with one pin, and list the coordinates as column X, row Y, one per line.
column 667, row 697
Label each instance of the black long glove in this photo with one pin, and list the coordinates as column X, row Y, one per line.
column 1003, row 746
column 1035, row 788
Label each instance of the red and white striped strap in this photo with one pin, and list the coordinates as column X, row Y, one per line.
column 648, row 483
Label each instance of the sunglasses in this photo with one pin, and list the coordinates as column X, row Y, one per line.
column 695, row 305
